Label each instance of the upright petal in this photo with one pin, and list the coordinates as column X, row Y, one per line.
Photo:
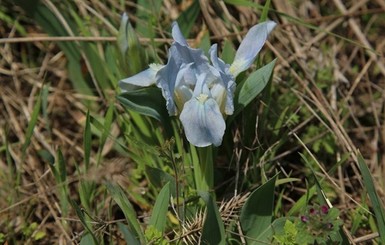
column 142, row 79
column 177, row 34
column 201, row 117
column 227, row 82
column 165, row 79
column 250, row 47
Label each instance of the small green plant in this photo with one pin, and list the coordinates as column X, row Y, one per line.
column 316, row 225
column 31, row 231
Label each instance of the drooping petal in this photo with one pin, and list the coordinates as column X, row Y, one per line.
column 250, row 46
column 203, row 122
column 142, row 79
column 201, row 117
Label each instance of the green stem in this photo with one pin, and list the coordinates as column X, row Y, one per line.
column 206, row 168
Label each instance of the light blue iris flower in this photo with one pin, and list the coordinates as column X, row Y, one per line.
column 199, row 91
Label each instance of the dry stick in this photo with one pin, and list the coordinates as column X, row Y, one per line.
column 214, row 24
column 367, row 237
column 285, row 7
column 347, row 233
column 232, row 20
column 360, row 36
column 42, row 192
column 44, row 38
column 335, row 23
column 327, row 30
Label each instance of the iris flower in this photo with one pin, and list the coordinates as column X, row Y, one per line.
column 197, row 89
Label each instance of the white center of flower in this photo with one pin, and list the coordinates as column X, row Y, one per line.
column 202, row 98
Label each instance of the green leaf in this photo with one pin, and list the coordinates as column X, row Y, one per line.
column 82, row 218
column 146, row 101
column 121, row 199
column 228, row 52
column 31, row 126
column 159, row 213
column 87, row 239
column 107, row 125
column 265, row 11
column 158, row 177
column 127, row 234
column 186, row 19
column 87, row 141
column 254, row 84
column 257, row 213
column 378, row 207
column 213, row 231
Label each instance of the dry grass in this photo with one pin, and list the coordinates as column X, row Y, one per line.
column 349, row 104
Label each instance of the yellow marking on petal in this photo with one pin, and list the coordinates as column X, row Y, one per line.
column 202, row 98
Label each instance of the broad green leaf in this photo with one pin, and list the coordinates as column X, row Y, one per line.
column 121, row 199
column 127, row 234
column 257, row 213
column 277, row 227
column 146, row 101
column 159, row 212
column 254, row 84
column 158, row 177
column 213, row 231
column 377, row 204
column 87, row 239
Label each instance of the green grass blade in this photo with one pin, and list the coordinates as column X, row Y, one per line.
column 159, row 213
column 121, row 199
column 44, row 107
column 186, row 19
column 265, row 11
column 61, row 178
column 85, row 224
column 378, row 207
column 87, row 141
column 107, row 125
column 31, row 126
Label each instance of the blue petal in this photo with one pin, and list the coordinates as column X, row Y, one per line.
column 165, row 79
column 142, row 79
column 201, row 117
column 187, row 55
column 228, row 83
column 250, row 46
column 203, row 122
column 177, row 34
